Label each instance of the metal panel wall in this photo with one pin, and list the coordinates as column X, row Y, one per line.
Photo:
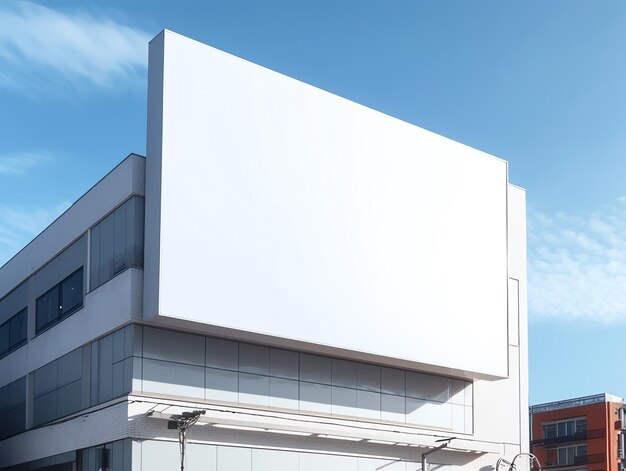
column 277, row 208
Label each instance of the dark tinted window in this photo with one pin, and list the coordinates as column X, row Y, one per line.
column 13, row 332
column 18, row 328
column 13, row 408
column 48, row 308
column 60, row 301
column 4, row 338
column 117, row 242
column 72, row 292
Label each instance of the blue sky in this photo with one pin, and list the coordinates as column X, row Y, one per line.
column 540, row 84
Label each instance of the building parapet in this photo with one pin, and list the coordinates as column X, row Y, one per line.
column 575, row 402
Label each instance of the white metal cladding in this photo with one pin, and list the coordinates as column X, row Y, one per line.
column 277, row 208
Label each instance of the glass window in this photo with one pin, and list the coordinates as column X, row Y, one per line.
column 564, row 428
column 72, row 292
column 60, row 301
column 4, row 338
column 13, row 408
column 549, row 431
column 47, row 308
column 117, row 242
column 568, row 455
column 17, row 329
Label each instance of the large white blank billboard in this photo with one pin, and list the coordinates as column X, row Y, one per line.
column 276, row 208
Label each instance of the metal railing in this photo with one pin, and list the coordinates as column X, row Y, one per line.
column 586, row 435
column 578, row 460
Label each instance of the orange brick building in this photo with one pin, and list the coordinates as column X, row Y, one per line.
column 579, row 434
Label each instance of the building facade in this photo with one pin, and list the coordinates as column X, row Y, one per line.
column 579, row 434
column 331, row 287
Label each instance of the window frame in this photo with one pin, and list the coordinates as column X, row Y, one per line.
column 14, row 346
column 575, row 424
column 60, row 313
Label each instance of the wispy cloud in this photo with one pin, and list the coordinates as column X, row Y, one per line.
column 42, row 48
column 19, row 224
column 21, row 162
column 577, row 264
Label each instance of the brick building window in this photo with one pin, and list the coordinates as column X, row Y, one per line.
column 564, row 428
column 567, row 455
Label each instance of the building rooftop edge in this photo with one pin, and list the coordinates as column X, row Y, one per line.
column 129, row 156
column 575, row 402
column 370, row 108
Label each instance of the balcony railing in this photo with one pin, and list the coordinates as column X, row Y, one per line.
column 587, row 435
column 578, row 460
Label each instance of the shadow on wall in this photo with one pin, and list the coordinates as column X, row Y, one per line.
column 177, row 364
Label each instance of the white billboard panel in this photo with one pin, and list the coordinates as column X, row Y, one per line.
column 276, row 208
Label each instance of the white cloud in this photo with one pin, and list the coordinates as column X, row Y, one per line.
column 20, row 224
column 19, row 163
column 577, row 264
column 42, row 48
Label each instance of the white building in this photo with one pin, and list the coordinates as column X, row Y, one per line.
column 336, row 289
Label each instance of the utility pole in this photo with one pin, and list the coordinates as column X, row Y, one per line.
column 446, row 442
column 182, row 423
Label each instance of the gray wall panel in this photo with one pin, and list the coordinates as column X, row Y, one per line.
column 368, row 403
column 117, row 456
column 254, row 389
column 284, row 393
column 422, row 386
column 159, row 456
column 222, row 354
column 273, row 460
column 393, row 381
column 167, row 345
column 105, row 369
column 46, row 378
column 315, row 368
column 118, row 379
column 358, row 396
column 201, row 457
column 344, row 401
column 45, row 408
column 69, row 398
column 315, row 397
column 70, row 367
column 392, row 408
column 16, row 392
column 254, row 359
column 13, row 408
column 368, row 377
column 222, row 385
column 174, row 379
column 232, row 458
column 420, row 412
column 118, row 345
column 316, row 462
column 344, row 373
column 284, row 363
